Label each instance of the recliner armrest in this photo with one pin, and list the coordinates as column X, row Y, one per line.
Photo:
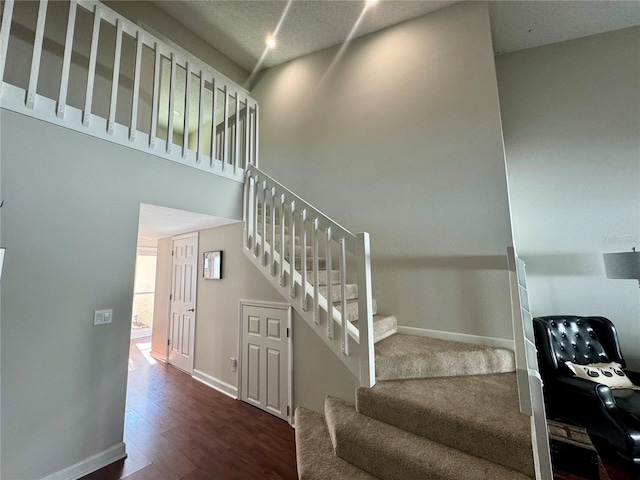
column 585, row 387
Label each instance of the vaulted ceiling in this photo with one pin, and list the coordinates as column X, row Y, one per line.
column 238, row 28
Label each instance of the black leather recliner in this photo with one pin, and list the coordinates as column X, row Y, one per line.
column 611, row 416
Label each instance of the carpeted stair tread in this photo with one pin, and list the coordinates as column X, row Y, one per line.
column 390, row 453
column 322, row 277
column 407, row 356
column 352, row 308
column 383, row 326
column 479, row 415
column 314, row 451
column 336, row 291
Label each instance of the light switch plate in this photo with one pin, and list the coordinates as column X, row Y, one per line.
column 100, row 317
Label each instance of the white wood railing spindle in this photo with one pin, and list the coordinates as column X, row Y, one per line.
column 115, row 79
column 292, row 249
column 328, row 260
column 316, row 275
column 156, row 97
column 88, row 99
column 282, row 244
column 343, row 296
column 256, row 136
column 225, row 135
column 365, row 309
column 201, row 120
column 272, row 243
column 236, row 135
column 172, row 93
column 246, row 205
column 303, row 257
column 135, row 96
column 187, row 103
column 214, row 111
column 256, row 187
column 66, row 59
column 36, row 55
column 263, row 250
column 5, row 30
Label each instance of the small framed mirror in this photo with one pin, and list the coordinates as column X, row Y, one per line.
column 212, row 265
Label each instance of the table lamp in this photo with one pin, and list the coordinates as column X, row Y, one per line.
column 624, row 265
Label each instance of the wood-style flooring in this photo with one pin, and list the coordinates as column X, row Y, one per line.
column 179, row 429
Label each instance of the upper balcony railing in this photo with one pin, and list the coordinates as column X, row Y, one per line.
column 82, row 66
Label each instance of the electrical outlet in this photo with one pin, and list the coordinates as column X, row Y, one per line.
column 101, row 317
column 234, row 364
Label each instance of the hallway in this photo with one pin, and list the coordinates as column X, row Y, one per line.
column 179, row 429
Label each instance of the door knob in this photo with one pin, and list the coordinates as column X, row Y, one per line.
column 191, row 310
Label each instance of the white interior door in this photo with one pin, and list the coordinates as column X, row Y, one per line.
column 265, row 359
column 183, row 301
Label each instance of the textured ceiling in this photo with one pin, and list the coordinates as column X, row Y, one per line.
column 526, row 24
column 238, row 28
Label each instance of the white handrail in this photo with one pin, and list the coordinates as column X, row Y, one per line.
column 302, row 286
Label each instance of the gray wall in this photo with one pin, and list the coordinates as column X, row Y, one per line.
column 403, row 140
column 69, row 224
column 571, row 116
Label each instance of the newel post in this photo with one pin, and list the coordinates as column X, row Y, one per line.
column 365, row 310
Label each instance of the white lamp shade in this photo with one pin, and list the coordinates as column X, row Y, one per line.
column 622, row 265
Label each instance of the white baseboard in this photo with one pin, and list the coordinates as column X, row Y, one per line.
column 216, row 384
column 91, row 464
column 458, row 337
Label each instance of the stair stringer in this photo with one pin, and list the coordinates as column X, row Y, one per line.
column 351, row 361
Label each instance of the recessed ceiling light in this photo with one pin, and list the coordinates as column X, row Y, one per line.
column 270, row 41
column 372, row 2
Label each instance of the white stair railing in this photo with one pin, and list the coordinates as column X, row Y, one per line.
column 201, row 119
column 276, row 221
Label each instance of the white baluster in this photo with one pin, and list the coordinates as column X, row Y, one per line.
column 156, row 96
column 236, row 136
column 316, row 275
column 292, row 250
column 200, row 120
column 263, row 255
column 225, row 137
column 88, row 99
column 115, row 79
column 303, row 257
column 327, row 254
column 5, row 30
column 187, row 103
column 365, row 309
column 272, row 243
column 66, row 58
column 172, row 92
column 255, row 216
column 135, row 97
column 37, row 53
column 214, row 109
column 343, row 296
column 246, row 211
column 246, row 134
column 282, row 245
column 256, row 136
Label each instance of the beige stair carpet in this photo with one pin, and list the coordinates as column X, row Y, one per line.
column 479, row 415
column 390, row 453
column 314, row 452
column 383, row 326
column 407, row 356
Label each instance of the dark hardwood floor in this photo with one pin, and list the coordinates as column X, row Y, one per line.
column 179, row 429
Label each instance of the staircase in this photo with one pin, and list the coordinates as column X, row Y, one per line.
column 439, row 410
column 437, row 427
